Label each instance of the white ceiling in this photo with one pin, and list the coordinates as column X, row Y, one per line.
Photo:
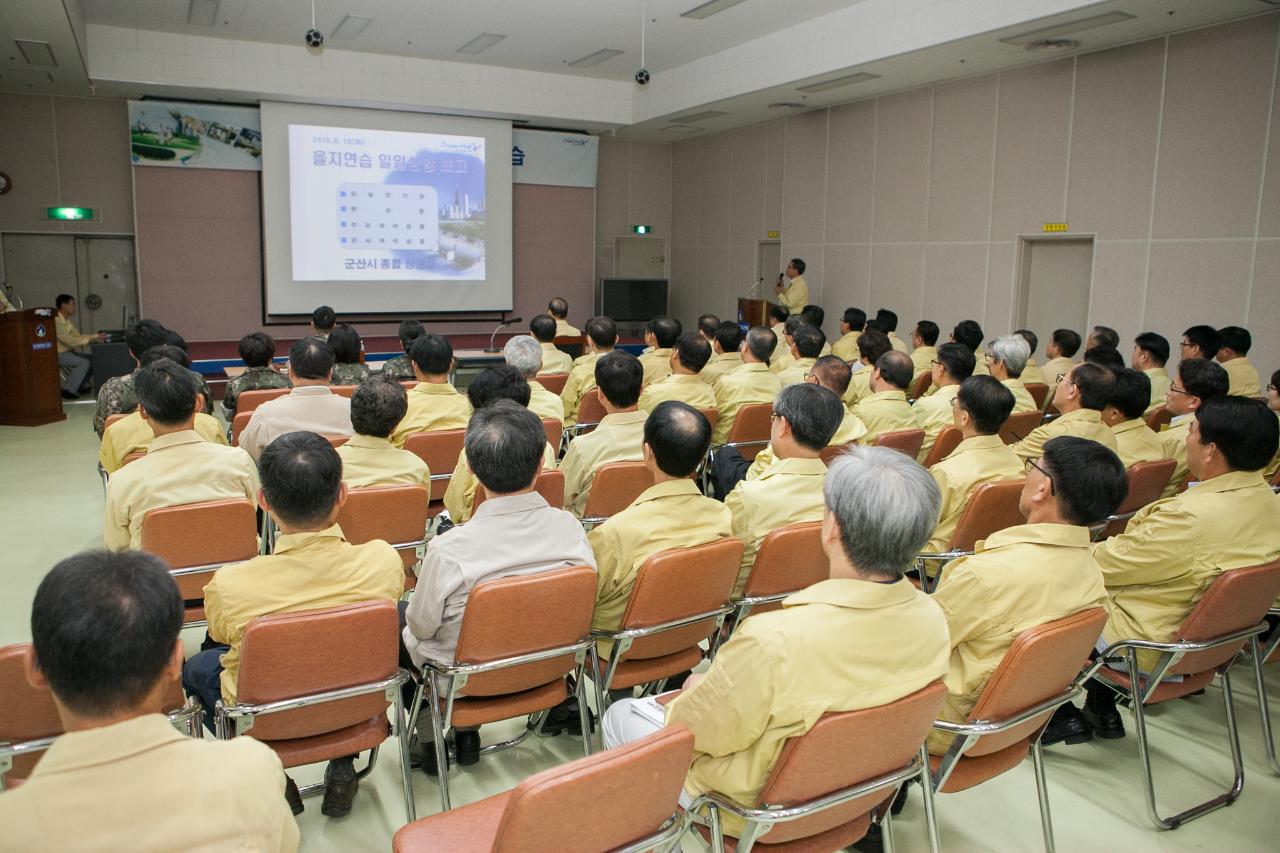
column 42, row 21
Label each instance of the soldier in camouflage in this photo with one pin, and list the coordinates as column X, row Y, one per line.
column 256, row 349
column 401, row 367
column 347, row 369
column 118, row 397
column 116, row 394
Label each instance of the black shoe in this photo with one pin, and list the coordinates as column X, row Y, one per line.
column 900, row 801
column 292, row 796
column 872, row 842
column 67, row 395
column 1068, row 725
column 466, row 745
column 1106, row 723
column 564, row 719
column 429, row 764
column 340, row 784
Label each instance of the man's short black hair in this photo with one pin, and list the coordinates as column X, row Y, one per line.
column 1154, row 345
column 311, row 358
column 143, row 335
column 678, row 435
column 1132, row 392
column 500, row 382
column 174, row 338
column 1245, row 431
column 301, row 475
column 1106, row 336
column 163, row 352
column 729, row 336
column 693, row 351
column 813, row 413
column 1089, row 480
column 761, row 342
column 504, row 446
column 105, row 626
column 410, row 331
column 928, row 332
column 794, row 322
column 1067, row 342
column 620, row 376
column 665, row 331
column 896, row 369
column 543, row 327
column 809, row 341
column 872, row 344
column 1206, row 338
column 167, row 391
column 345, row 342
column 779, row 313
column 957, row 359
column 603, row 332
column 1104, row 355
column 433, row 354
column 1030, row 337
column 323, row 318
column 986, row 400
column 257, row 349
column 62, row 299
column 558, row 307
column 969, row 333
column 833, row 373
column 707, row 325
column 815, row 315
column 798, row 263
column 1236, row 338
column 1095, row 383
column 378, row 404
column 887, row 320
column 855, row 319
column 1203, row 378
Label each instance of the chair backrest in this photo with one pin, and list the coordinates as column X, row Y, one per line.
column 344, row 390
column 395, row 514
column 1147, row 481
column 789, row 559
column 948, row 440
column 550, row 485
column 712, row 416
column 676, row 583
column 440, row 450
column 605, row 801
column 1019, row 425
column 1237, row 599
column 832, row 452
column 288, row 655
column 843, row 749
column 590, row 408
column 118, row 416
column 1039, row 392
column 570, row 345
column 337, row 440
column 1039, row 664
column 250, row 400
column 919, row 385
column 238, row 423
column 1160, row 416
column 521, row 615
column 991, row 507
column 615, row 486
column 26, row 713
column 553, row 382
column 553, row 428
column 209, row 533
column 132, row 457
column 908, row 441
column 753, row 422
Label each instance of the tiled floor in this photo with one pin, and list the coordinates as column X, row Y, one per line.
column 51, row 506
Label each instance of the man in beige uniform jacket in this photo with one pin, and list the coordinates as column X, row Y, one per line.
column 690, row 356
column 543, row 328
column 1150, row 354
column 369, row 458
column 1006, row 358
column 559, row 309
column 602, row 337
column 852, row 324
column 660, row 336
column 725, row 353
column 434, row 404
column 806, row 344
column 924, row 348
column 1233, row 356
column 1135, row 442
column 886, row 408
column 952, row 364
column 1061, row 349
column 872, row 344
column 619, row 436
column 1081, row 397
column 523, row 353
column 792, row 290
column 750, row 384
column 1199, row 380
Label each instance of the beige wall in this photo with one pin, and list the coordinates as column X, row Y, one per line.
column 633, row 187
column 1164, row 150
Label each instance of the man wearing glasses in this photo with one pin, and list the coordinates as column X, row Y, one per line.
column 933, row 413
column 1198, row 380
column 1200, row 342
column 793, row 292
column 1081, row 395
column 887, row 409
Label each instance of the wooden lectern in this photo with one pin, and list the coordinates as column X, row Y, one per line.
column 30, row 388
column 754, row 312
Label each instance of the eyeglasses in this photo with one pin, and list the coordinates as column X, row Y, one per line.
column 933, row 361
column 1271, row 387
column 955, row 402
column 1031, row 463
column 1186, row 345
column 1174, row 389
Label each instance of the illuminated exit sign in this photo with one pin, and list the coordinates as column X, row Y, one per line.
column 68, row 214
column 641, row 229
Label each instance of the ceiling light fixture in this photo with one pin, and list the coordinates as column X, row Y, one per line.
column 787, row 105
column 202, row 13
column 679, row 128
column 1076, row 26
column 481, row 43
column 596, row 58
column 36, row 53
column 706, row 10
column 351, row 26
column 697, row 117
column 1052, row 45
column 838, row 82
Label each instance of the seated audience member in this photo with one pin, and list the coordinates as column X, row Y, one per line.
column 782, row 357
column 525, row 355
column 1031, row 371
column 401, row 367
column 543, row 328
column 1232, row 355
column 1150, row 354
column 489, row 386
column 1200, row 342
column 322, row 322
column 924, row 348
column 852, row 322
column 1157, row 570
column 969, row 333
column 1199, row 380
column 181, row 466
column 789, row 489
column 1006, row 358
column 980, row 408
column 1104, row 356
column 347, row 368
column 132, row 433
column 888, row 322
column 105, row 642
column 660, row 335
column 70, row 341
column 505, row 447
column 952, row 364
column 1061, row 349
column 781, row 671
column 618, row 438
column 311, row 405
column 434, row 404
column 369, row 458
column 815, row 316
column 602, row 337
column 1024, row 576
column 726, row 344
column 691, row 354
column 886, row 409
column 707, row 324
column 1081, row 396
column 311, row 567
column 256, row 351
column 1273, row 403
column 872, row 344
column 778, row 317
column 116, row 396
column 1135, row 442
column 806, row 344
column 173, row 339
column 1103, row 336
column 749, row 384
column 559, row 309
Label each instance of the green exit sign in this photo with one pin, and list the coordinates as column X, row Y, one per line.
column 641, row 229
column 68, row 213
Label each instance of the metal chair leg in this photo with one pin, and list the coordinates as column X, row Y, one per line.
column 1264, row 706
column 886, row 831
column 930, row 816
column 747, row 838
column 403, row 733
column 584, row 713
column 1042, row 791
column 441, row 748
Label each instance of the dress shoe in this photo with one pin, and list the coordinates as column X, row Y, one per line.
column 872, row 842
column 466, row 745
column 292, row 796
column 427, row 749
column 1106, row 723
column 900, row 800
column 1067, row 725
column 564, row 718
column 340, row 784
column 67, row 395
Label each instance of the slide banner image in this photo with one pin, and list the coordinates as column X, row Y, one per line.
column 195, row 136
column 554, row 159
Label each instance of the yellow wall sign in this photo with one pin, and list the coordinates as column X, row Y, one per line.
column 1052, row 227
column 773, row 235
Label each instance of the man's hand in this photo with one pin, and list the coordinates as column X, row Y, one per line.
column 102, row 337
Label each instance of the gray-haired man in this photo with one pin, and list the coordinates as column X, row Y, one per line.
column 525, row 354
column 1006, row 359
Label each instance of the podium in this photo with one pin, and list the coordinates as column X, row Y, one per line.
column 754, row 312
column 30, row 388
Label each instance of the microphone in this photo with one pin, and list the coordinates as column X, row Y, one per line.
column 753, row 291
column 494, row 336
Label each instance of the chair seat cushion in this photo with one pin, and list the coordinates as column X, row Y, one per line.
column 470, row 827
column 193, row 615
column 348, row 741
column 477, row 710
column 1167, row 689
column 978, row 769
column 632, row 671
column 836, row 838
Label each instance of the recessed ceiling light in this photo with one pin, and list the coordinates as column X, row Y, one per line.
column 596, row 58
column 202, row 13
column 787, row 105
column 1076, row 26
column 36, row 53
column 836, row 83
column 1052, row 45
column 696, row 117
column 481, row 43
column 351, row 26
column 679, row 128
column 706, row 10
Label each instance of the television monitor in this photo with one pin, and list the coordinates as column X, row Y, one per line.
column 632, row 300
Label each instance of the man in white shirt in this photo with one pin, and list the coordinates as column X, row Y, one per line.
column 310, row 406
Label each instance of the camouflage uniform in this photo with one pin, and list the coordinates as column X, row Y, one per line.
column 253, row 379
column 117, row 397
column 400, row 367
column 349, row 374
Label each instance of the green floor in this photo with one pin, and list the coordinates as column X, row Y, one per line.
column 51, row 506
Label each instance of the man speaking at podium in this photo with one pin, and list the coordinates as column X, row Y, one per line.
column 69, row 338
column 791, row 288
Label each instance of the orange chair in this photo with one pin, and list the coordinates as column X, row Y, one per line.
column 238, row 423
column 832, row 452
column 553, row 382
column 1159, row 418
column 920, row 385
column 751, row 429
column 908, row 441
column 336, row 440
column 111, row 419
column 550, row 485
column 680, row 598
column 520, row 637
column 947, row 441
column 1039, row 673
column 395, row 514
column 344, row 390
column 788, row 560
column 1039, row 392
column 1147, row 481
column 712, row 416
column 1019, row 425
column 630, row 794
column 615, row 487
column 198, row 539
column 826, row 783
column 571, row 345
column 440, row 450
column 250, row 400
column 554, row 429
column 132, row 457
column 315, row 685
column 590, row 413
column 991, row 507
column 1228, row 616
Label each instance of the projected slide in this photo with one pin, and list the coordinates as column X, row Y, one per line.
column 383, row 205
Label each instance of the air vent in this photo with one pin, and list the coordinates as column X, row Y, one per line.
column 706, row 10
column 481, row 43
column 1077, row 26
column 36, row 53
column 1052, row 45
column 596, row 58
column 202, row 13
column 838, row 82
column 351, row 26
column 679, row 128
column 694, row 118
